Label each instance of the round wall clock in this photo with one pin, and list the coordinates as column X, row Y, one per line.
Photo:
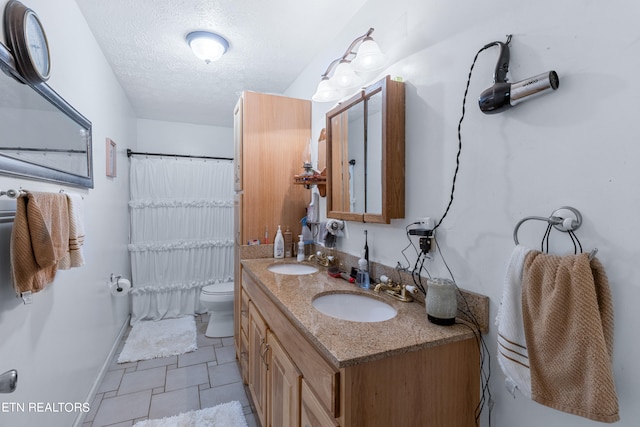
column 27, row 41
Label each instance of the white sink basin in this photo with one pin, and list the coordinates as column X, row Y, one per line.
column 292, row 269
column 354, row 307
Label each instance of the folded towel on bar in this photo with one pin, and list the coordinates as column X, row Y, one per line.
column 39, row 239
column 568, row 320
column 74, row 258
column 512, row 345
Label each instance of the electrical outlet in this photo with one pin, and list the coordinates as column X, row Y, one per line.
column 425, row 243
column 425, row 222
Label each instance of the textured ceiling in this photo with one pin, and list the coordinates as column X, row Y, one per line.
column 271, row 42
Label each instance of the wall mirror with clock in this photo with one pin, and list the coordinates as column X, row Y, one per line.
column 41, row 135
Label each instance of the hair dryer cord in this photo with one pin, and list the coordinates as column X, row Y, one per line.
column 464, row 101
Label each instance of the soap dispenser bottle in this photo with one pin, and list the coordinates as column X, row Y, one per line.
column 278, row 245
column 288, row 242
column 362, row 278
column 300, row 249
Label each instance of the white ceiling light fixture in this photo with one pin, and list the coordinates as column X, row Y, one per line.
column 362, row 56
column 207, row 46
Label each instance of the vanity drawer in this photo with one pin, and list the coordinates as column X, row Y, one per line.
column 312, row 413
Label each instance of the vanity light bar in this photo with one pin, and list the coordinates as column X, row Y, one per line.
column 367, row 57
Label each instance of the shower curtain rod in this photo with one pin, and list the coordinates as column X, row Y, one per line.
column 132, row 153
column 43, row 150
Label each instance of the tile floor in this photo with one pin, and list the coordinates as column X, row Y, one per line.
column 157, row 388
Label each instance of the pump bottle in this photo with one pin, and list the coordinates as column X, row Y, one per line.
column 278, row 245
column 288, row 242
column 362, row 278
column 300, row 257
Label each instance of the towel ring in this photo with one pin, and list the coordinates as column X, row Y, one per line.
column 557, row 219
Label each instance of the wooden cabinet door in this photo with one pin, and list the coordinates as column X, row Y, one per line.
column 243, row 352
column 237, row 272
column 237, row 144
column 312, row 413
column 275, row 132
column 284, row 387
column 258, row 363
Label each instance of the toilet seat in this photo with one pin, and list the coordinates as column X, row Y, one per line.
column 218, row 289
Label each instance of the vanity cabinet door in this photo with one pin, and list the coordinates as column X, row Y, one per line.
column 244, row 358
column 258, row 362
column 243, row 352
column 312, row 413
column 284, row 387
column 244, row 312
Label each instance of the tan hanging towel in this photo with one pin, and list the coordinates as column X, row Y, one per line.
column 39, row 239
column 568, row 319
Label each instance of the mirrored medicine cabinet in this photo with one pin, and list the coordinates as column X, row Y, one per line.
column 365, row 155
column 41, row 136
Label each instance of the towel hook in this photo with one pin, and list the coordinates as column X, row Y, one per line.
column 564, row 219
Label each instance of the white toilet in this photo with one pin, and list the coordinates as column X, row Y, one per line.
column 218, row 300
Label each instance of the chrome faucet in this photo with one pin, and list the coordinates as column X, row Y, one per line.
column 396, row 290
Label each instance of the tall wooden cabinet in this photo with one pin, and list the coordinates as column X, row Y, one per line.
column 270, row 135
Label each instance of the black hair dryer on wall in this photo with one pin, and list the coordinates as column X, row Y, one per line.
column 502, row 95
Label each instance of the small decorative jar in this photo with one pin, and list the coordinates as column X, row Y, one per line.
column 441, row 301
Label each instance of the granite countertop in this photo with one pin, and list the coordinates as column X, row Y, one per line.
column 342, row 342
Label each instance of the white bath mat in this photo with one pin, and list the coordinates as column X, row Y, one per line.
column 223, row 415
column 159, row 338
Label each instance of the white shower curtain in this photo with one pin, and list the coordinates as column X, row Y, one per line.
column 181, row 233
